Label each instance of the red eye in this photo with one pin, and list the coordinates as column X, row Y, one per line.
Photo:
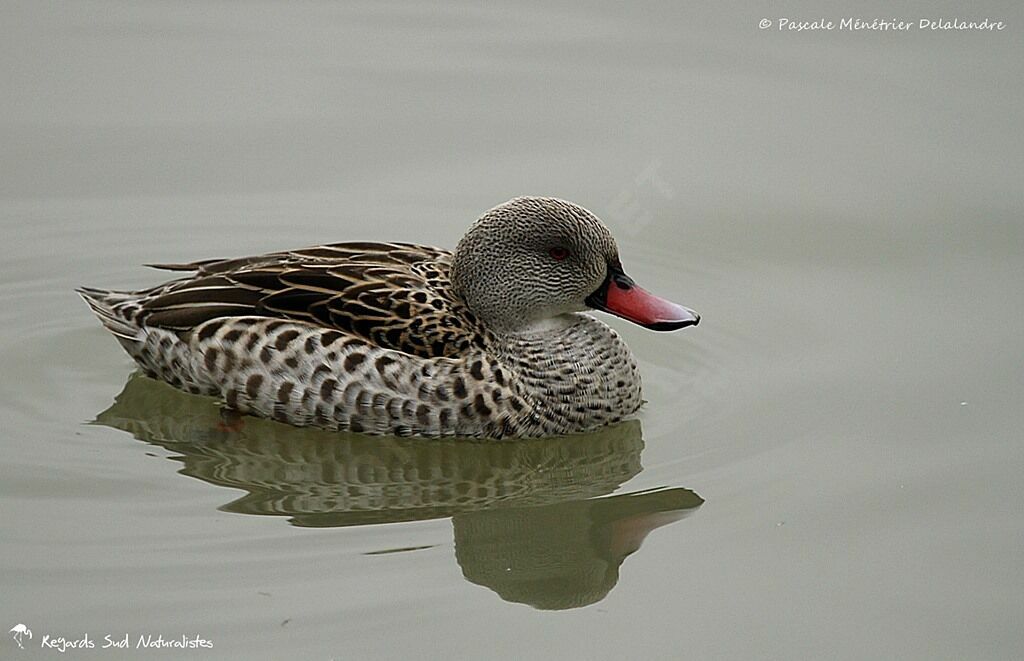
column 559, row 253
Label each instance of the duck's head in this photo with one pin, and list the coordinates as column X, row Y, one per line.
column 527, row 262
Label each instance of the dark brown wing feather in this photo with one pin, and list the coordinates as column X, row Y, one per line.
column 395, row 295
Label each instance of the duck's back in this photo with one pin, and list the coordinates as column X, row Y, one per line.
column 393, row 295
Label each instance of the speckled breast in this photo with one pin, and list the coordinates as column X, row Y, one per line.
column 581, row 377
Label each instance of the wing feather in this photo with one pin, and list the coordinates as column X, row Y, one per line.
column 396, row 295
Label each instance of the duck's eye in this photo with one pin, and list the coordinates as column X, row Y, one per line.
column 559, row 253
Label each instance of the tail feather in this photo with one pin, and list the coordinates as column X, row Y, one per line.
column 107, row 307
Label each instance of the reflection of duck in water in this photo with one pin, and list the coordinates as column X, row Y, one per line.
column 404, row 340
column 527, row 518
column 563, row 555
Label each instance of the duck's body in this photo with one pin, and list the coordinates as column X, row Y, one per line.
column 397, row 338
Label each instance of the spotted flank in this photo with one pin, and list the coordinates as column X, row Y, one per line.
column 399, row 339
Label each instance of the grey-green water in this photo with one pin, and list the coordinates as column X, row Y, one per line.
column 843, row 208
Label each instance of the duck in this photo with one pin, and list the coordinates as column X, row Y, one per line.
column 493, row 340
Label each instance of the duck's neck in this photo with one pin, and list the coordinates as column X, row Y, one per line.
column 538, row 328
column 552, row 339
